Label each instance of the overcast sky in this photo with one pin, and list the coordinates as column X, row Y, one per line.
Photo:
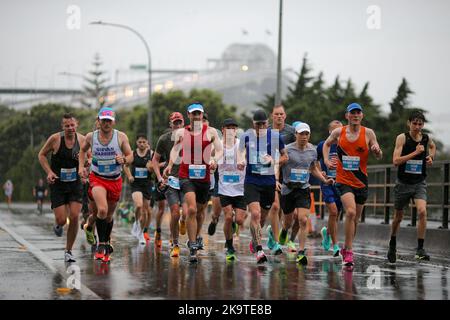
column 412, row 42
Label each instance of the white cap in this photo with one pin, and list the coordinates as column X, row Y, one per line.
column 301, row 127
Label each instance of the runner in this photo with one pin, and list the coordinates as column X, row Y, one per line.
column 195, row 141
column 138, row 174
column 256, row 148
column 414, row 151
column 65, row 184
column 40, row 192
column 295, row 191
column 330, row 195
column 287, row 133
column 231, row 186
column 171, row 182
column 110, row 150
column 8, row 187
column 353, row 144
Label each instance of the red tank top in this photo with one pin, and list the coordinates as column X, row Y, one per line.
column 352, row 165
column 195, row 156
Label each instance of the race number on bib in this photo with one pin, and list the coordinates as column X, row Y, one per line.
column 140, row 173
column 68, row 175
column 197, row 171
column 414, row 166
column 107, row 166
column 174, row 182
column 299, row 175
column 350, row 163
column 230, row 177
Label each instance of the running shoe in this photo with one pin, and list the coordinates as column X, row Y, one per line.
column 58, row 230
column 182, row 227
column 291, row 246
column 347, row 257
column 422, row 255
column 261, row 257
column 231, row 255
column 100, row 253
column 158, row 241
column 108, row 251
column 175, row 251
column 212, row 228
column 392, row 254
column 141, row 238
column 276, row 250
column 90, row 237
column 282, row 237
column 199, row 243
column 68, row 256
column 301, row 258
column 271, row 241
column 336, row 250
column 326, row 239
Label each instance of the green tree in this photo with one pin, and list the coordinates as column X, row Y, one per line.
column 95, row 89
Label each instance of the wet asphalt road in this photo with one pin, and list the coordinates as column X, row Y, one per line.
column 143, row 272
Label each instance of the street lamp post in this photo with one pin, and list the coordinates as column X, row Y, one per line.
column 149, row 114
column 280, row 25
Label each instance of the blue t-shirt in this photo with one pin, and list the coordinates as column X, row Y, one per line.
column 333, row 150
column 257, row 172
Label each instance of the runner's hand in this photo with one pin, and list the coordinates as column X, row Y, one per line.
column 278, row 186
column 429, row 160
column 420, row 148
column 120, row 159
column 131, row 179
column 241, row 166
column 166, row 172
column 329, row 181
column 51, row 177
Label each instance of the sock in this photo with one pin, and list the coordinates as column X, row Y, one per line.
column 145, row 230
column 229, row 243
column 158, row 230
column 89, row 228
column 284, row 233
column 109, row 229
column 420, row 243
column 102, row 227
column 393, row 242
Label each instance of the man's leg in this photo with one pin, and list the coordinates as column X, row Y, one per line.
column 275, row 217
column 74, row 213
column 421, row 206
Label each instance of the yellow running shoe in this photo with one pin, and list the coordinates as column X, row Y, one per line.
column 175, row 251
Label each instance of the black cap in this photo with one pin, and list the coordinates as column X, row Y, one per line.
column 259, row 116
column 229, row 122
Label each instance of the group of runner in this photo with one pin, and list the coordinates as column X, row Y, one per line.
column 265, row 171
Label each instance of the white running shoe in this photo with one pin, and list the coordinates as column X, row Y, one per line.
column 68, row 256
column 142, row 238
column 134, row 229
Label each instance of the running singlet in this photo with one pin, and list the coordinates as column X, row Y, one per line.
column 104, row 156
column 195, row 160
column 231, row 179
column 64, row 163
column 139, row 169
column 415, row 170
column 353, row 156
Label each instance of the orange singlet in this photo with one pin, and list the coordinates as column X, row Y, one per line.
column 352, row 165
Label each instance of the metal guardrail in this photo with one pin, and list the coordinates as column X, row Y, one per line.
column 381, row 187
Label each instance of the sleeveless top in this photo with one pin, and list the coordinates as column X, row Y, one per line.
column 353, row 156
column 195, row 160
column 231, row 180
column 103, row 156
column 415, row 170
column 64, row 163
column 139, row 170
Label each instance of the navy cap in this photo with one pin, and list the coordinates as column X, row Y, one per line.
column 259, row 116
column 354, row 106
column 229, row 122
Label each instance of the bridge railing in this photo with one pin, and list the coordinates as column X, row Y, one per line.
column 380, row 204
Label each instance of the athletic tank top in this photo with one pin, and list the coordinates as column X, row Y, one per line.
column 414, row 170
column 64, row 163
column 103, row 156
column 231, row 180
column 194, row 165
column 138, row 167
column 353, row 156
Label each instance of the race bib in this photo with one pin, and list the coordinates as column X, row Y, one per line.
column 350, row 163
column 40, row 194
column 174, row 182
column 140, row 173
column 299, row 175
column 414, row 166
column 197, row 171
column 230, row 177
column 107, row 166
column 68, row 175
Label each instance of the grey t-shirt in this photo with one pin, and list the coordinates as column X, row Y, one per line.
column 163, row 147
column 296, row 170
column 287, row 134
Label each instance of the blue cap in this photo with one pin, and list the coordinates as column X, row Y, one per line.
column 195, row 107
column 296, row 123
column 106, row 113
column 354, row 106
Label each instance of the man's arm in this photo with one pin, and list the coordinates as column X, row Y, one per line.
column 127, row 171
column 218, row 148
column 155, row 164
column 332, row 139
column 127, row 153
column 46, row 149
column 174, row 153
column 82, row 156
column 373, row 144
column 317, row 172
column 397, row 157
column 431, row 152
